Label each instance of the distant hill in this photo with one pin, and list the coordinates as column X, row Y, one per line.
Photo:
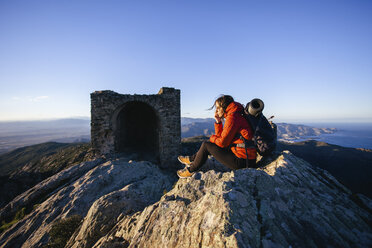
column 12, row 161
column 286, row 132
column 24, row 133
column 197, row 128
column 186, row 120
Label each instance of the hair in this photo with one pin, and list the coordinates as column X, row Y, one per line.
column 224, row 101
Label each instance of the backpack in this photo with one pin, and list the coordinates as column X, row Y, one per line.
column 264, row 132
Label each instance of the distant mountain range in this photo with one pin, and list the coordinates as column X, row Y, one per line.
column 19, row 134
column 286, row 132
column 186, row 120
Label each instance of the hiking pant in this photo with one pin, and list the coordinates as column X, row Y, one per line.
column 223, row 155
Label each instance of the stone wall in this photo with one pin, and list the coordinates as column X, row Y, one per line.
column 148, row 126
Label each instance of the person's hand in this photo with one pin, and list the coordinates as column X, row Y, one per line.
column 217, row 118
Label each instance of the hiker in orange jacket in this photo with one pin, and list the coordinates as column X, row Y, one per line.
column 226, row 144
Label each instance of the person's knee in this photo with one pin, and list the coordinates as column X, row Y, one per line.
column 210, row 147
column 206, row 144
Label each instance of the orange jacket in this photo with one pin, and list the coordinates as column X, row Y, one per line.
column 235, row 126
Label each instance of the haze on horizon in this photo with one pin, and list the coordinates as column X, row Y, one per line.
column 308, row 60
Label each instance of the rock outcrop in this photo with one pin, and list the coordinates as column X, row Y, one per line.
column 105, row 191
column 286, row 203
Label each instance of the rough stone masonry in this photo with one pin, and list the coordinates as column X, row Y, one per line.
column 146, row 127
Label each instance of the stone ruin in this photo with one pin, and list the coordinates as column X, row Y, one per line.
column 141, row 127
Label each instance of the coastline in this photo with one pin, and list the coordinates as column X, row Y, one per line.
column 345, row 136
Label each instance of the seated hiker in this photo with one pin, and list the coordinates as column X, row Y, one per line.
column 226, row 144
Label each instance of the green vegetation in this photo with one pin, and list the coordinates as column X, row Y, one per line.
column 64, row 157
column 31, row 165
column 62, row 231
column 18, row 216
column 22, row 168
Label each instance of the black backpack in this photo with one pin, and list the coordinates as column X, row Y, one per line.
column 264, row 132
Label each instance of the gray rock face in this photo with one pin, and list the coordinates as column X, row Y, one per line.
column 102, row 215
column 286, row 203
column 47, row 186
column 104, row 190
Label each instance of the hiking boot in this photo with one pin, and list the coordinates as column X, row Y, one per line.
column 184, row 173
column 185, row 160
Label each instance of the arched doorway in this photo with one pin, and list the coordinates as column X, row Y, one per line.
column 137, row 131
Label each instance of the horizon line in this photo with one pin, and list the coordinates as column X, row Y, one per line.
column 279, row 120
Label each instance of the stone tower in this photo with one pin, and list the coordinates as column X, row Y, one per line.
column 147, row 127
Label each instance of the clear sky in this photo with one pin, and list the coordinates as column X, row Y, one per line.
column 308, row 60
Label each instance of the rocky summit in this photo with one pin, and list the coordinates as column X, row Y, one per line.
column 285, row 203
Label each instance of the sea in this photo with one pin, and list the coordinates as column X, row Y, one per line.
column 354, row 135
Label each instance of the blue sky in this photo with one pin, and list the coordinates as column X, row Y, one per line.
column 308, row 60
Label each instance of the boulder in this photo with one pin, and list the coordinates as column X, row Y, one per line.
column 104, row 187
column 287, row 203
